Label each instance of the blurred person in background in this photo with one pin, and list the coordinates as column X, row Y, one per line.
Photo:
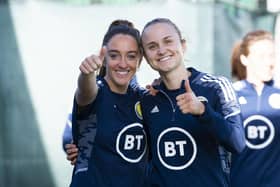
column 253, row 62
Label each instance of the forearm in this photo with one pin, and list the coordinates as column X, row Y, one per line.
column 228, row 131
column 87, row 89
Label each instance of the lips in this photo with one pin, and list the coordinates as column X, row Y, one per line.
column 165, row 58
column 122, row 73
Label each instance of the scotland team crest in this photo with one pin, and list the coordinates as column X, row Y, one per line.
column 138, row 110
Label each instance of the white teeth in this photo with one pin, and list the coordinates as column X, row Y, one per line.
column 164, row 58
column 122, row 72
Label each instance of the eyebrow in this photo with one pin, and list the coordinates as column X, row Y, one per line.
column 116, row 51
column 113, row 51
column 164, row 38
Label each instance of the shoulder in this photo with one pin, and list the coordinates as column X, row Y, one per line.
column 138, row 92
column 239, row 85
column 208, row 80
column 103, row 87
column 100, row 81
column 213, row 86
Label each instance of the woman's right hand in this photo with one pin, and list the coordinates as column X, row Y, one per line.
column 72, row 153
column 151, row 89
column 93, row 62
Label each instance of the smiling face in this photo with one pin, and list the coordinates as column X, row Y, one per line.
column 260, row 61
column 164, row 50
column 122, row 61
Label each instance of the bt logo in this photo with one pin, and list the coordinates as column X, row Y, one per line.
column 131, row 143
column 176, row 148
column 170, row 150
column 259, row 131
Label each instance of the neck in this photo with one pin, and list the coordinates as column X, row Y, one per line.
column 258, row 84
column 173, row 79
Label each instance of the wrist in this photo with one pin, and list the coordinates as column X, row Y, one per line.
column 201, row 108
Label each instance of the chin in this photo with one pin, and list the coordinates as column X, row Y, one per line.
column 123, row 82
column 267, row 79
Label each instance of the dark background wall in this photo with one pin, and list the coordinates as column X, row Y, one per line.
column 22, row 156
column 230, row 25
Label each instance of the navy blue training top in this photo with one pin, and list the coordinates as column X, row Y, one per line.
column 67, row 132
column 118, row 155
column 259, row 163
column 188, row 150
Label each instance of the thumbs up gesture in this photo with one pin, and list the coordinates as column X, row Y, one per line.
column 188, row 102
column 93, row 62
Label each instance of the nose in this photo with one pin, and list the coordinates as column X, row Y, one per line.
column 123, row 62
column 161, row 50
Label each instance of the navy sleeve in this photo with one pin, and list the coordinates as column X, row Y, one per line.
column 67, row 133
column 79, row 114
column 224, row 119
